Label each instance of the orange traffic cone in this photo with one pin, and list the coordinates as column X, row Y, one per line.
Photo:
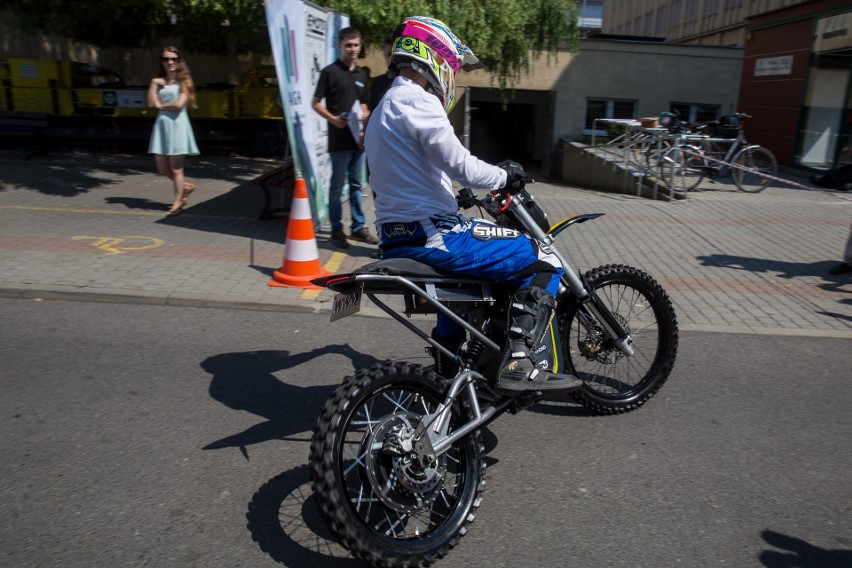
column 301, row 256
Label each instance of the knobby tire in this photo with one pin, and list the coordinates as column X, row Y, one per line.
column 612, row 382
column 367, row 519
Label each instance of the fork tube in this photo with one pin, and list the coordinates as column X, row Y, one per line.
column 611, row 326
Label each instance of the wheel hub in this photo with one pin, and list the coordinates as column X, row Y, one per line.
column 596, row 347
column 397, row 478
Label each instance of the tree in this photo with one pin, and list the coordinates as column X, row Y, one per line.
column 502, row 33
column 215, row 27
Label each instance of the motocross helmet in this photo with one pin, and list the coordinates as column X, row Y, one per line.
column 428, row 45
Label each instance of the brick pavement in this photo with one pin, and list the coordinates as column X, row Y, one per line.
column 92, row 227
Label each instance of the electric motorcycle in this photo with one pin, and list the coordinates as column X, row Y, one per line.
column 397, row 457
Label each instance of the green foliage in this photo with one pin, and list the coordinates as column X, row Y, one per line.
column 502, row 33
column 215, row 27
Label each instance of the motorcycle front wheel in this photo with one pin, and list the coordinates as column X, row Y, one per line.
column 376, row 499
column 612, row 382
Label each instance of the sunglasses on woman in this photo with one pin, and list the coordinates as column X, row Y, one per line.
column 167, row 59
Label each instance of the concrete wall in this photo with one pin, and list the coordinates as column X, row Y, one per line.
column 653, row 75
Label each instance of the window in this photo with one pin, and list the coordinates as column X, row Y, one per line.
column 607, row 108
column 695, row 112
column 591, row 14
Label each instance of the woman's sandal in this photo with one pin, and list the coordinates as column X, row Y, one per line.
column 188, row 187
column 174, row 211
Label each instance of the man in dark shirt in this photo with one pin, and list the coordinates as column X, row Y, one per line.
column 341, row 84
column 383, row 82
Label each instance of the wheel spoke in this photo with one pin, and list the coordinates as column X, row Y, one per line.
column 596, row 359
column 375, row 489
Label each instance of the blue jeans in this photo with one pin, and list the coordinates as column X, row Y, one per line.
column 347, row 165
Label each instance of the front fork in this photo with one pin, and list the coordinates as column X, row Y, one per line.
column 583, row 293
column 620, row 338
column 431, row 437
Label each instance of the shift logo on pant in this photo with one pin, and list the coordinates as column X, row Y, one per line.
column 488, row 232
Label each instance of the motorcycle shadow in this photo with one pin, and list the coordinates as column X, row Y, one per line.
column 285, row 522
column 246, row 381
column 561, row 405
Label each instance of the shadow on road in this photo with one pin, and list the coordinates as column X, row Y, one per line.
column 801, row 554
column 284, row 520
column 246, row 381
column 782, row 268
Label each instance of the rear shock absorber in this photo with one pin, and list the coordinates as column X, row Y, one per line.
column 472, row 352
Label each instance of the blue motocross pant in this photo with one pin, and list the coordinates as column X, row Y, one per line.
column 474, row 247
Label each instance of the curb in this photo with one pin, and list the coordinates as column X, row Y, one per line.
column 324, row 308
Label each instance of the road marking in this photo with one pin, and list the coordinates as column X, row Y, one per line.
column 110, row 244
column 332, row 265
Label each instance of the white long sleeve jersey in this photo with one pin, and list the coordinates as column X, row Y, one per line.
column 414, row 155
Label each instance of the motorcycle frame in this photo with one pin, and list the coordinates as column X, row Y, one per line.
column 436, row 425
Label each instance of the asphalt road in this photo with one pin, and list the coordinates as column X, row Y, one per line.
column 164, row 436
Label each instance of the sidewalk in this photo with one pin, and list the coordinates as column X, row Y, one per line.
column 92, row 227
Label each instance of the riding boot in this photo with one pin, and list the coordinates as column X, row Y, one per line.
column 444, row 365
column 529, row 362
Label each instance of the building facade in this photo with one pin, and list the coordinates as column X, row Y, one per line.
column 797, row 82
column 702, row 22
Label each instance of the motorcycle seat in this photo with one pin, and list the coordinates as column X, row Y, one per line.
column 412, row 268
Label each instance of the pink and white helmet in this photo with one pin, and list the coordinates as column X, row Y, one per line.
column 432, row 49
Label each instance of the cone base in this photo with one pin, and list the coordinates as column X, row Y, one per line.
column 281, row 279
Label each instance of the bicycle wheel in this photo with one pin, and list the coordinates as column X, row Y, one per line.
column 634, row 148
column 682, row 167
column 753, row 169
column 654, row 151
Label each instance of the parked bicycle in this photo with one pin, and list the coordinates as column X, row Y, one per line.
column 693, row 157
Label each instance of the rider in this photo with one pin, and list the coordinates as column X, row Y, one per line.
column 414, row 154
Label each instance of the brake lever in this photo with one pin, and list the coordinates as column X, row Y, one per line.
column 466, row 198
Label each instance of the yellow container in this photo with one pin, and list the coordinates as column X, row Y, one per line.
column 89, row 101
column 32, row 100
column 64, row 101
column 259, row 102
column 33, row 73
column 212, row 104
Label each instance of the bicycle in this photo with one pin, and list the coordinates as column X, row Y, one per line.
column 751, row 166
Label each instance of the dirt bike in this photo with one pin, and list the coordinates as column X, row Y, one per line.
column 397, row 457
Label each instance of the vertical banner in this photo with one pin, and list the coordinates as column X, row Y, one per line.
column 300, row 34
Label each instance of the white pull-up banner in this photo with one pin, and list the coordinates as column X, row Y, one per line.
column 304, row 41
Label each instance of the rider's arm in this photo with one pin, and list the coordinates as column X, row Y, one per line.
column 428, row 123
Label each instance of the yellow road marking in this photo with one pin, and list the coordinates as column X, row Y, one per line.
column 332, row 265
column 108, row 244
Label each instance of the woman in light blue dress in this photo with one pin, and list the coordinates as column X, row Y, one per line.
column 172, row 139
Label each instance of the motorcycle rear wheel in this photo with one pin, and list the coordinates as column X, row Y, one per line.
column 612, row 382
column 382, row 507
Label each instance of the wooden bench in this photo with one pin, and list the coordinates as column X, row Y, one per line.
column 277, row 186
column 16, row 126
